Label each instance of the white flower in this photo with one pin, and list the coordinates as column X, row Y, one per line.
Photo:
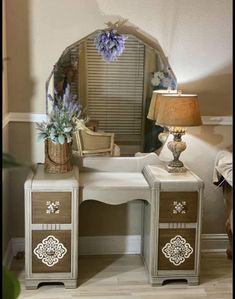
column 160, row 75
column 155, row 81
column 166, row 82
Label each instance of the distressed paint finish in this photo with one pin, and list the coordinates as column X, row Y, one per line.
column 174, row 252
column 57, row 261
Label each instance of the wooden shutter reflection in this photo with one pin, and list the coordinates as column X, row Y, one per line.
column 115, row 90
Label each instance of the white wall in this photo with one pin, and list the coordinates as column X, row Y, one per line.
column 195, row 35
column 197, row 38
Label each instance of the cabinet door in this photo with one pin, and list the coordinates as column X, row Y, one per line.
column 178, row 207
column 176, row 250
column 51, row 207
column 51, row 251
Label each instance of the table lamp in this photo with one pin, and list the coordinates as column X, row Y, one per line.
column 153, row 110
column 177, row 112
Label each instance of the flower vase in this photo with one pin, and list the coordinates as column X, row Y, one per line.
column 58, row 157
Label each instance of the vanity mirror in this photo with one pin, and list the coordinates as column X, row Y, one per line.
column 116, row 94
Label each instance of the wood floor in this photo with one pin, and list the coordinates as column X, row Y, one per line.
column 123, row 277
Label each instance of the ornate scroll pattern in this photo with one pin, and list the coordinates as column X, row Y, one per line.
column 50, row 251
column 177, row 250
column 52, row 207
column 179, row 207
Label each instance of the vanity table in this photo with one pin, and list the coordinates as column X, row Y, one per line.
column 172, row 213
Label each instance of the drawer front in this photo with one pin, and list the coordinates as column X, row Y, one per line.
column 176, row 249
column 178, row 207
column 51, row 207
column 51, row 251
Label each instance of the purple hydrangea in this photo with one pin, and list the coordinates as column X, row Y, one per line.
column 110, row 44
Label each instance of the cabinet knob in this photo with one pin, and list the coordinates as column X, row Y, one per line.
column 179, row 207
column 52, row 207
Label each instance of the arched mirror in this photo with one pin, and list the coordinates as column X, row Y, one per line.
column 116, row 94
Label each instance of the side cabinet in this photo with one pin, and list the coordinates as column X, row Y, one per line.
column 173, row 224
column 51, row 228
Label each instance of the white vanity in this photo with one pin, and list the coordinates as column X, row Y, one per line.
column 172, row 216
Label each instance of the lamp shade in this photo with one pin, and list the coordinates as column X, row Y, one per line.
column 153, row 107
column 181, row 110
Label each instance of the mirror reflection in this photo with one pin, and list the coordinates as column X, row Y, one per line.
column 115, row 95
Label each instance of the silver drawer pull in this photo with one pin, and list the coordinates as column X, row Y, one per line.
column 179, row 207
column 52, row 207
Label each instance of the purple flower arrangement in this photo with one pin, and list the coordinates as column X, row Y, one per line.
column 110, row 44
column 62, row 120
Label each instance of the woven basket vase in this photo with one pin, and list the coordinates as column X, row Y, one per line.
column 58, row 157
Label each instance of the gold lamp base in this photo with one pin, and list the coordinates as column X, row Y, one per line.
column 176, row 146
column 176, row 169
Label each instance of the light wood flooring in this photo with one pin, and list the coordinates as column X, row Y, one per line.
column 123, row 277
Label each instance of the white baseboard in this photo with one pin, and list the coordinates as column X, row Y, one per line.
column 131, row 244
column 17, row 245
column 214, row 242
column 8, row 256
column 110, row 245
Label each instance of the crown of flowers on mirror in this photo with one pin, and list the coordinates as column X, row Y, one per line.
column 163, row 80
column 110, row 44
column 61, row 123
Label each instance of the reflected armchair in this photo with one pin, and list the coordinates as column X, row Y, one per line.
column 90, row 143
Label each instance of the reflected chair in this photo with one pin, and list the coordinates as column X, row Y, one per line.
column 90, row 143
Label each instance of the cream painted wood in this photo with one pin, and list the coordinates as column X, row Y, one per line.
column 114, row 180
column 44, row 182
column 116, row 164
column 113, row 188
column 161, row 181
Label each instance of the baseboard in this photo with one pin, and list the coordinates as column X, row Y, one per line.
column 17, row 245
column 214, row 242
column 110, row 245
column 131, row 244
column 8, row 256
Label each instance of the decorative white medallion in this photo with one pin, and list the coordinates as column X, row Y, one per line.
column 50, row 251
column 52, row 207
column 177, row 250
column 179, row 207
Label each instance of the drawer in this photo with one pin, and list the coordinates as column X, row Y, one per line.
column 51, row 207
column 51, row 251
column 178, row 207
column 176, row 250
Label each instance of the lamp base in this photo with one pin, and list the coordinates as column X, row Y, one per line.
column 176, row 146
column 171, row 169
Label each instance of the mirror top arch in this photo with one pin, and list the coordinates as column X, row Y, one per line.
column 122, row 27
